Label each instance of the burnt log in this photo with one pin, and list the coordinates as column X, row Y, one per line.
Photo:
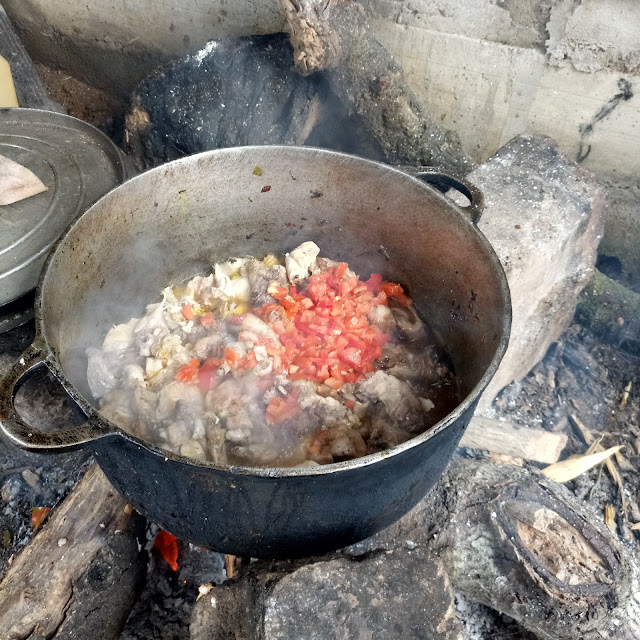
column 526, row 547
column 333, row 36
column 236, row 92
column 612, row 311
column 504, row 536
column 81, row 574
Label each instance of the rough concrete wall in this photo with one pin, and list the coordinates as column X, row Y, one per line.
column 520, row 23
column 115, row 43
column 596, row 34
column 590, row 34
column 492, row 69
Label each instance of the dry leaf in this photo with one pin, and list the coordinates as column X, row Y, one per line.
column 17, row 182
column 576, row 465
column 610, row 517
column 635, row 527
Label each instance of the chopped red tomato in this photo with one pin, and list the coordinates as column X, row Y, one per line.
column 208, row 320
column 350, row 404
column 188, row 372
column 232, row 357
column 281, row 409
column 393, row 290
column 38, row 514
column 187, row 312
column 250, row 360
column 167, row 545
column 324, row 331
column 374, row 283
column 340, row 270
column 208, row 374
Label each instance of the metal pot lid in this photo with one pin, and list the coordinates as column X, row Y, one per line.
column 78, row 164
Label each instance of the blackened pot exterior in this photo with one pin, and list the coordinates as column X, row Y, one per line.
column 247, row 514
column 174, row 222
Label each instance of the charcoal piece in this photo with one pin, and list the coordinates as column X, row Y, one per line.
column 233, row 93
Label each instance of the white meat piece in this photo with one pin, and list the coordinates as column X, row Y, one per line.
column 399, row 401
column 258, row 327
column 152, row 367
column 328, row 409
column 104, row 369
column 150, row 329
column 301, row 261
column 221, row 399
column 134, row 375
column 144, row 402
column 207, row 347
column 174, row 392
column 104, row 366
column 115, row 406
column 381, row 317
column 120, row 337
column 232, row 266
column 237, row 288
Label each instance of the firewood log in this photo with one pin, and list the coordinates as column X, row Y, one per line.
column 525, row 546
column 334, row 37
column 80, row 575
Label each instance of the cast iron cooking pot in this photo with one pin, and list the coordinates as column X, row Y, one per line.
column 173, row 222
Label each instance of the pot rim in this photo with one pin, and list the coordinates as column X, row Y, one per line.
column 112, row 430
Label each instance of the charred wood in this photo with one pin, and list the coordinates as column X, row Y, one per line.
column 611, row 310
column 335, row 37
column 524, row 546
column 81, row 574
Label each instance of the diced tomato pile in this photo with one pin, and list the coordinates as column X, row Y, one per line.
column 324, row 334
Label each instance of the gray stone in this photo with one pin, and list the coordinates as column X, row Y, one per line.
column 544, row 217
column 395, row 594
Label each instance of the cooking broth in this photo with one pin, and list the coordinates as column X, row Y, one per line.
column 275, row 362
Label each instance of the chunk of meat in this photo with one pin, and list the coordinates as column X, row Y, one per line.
column 382, row 317
column 224, row 397
column 301, row 261
column 400, row 403
column 404, row 362
column 173, row 393
column 408, row 322
column 237, row 288
column 150, row 329
column 253, row 324
column 116, row 406
column 327, row 410
column 120, row 337
column 260, row 277
column 104, row 369
column 208, row 347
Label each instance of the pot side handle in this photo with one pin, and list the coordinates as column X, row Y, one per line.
column 22, row 434
column 444, row 181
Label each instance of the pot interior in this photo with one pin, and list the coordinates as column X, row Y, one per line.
column 173, row 222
